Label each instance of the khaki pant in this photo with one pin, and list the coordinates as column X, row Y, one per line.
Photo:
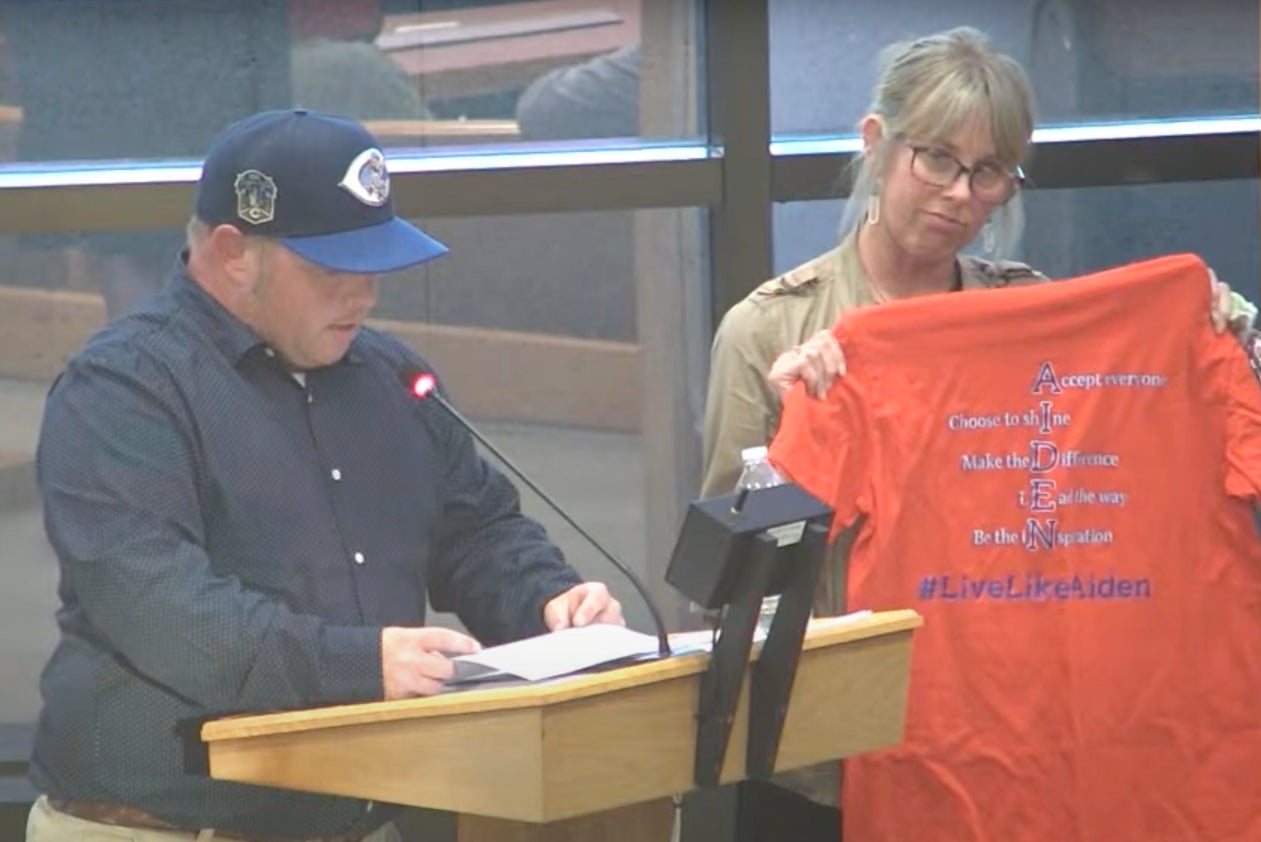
column 48, row 825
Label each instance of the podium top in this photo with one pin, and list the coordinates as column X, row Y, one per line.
column 822, row 632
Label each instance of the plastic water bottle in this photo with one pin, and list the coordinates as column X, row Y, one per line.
column 760, row 473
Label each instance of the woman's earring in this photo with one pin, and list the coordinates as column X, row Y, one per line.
column 873, row 206
column 988, row 237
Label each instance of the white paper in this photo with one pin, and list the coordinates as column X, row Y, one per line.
column 556, row 653
column 703, row 640
column 681, row 643
column 841, row 620
column 575, row 649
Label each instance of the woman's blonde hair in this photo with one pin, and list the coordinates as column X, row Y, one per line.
column 933, row 87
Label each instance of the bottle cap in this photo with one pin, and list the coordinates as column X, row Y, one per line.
column 750, row 454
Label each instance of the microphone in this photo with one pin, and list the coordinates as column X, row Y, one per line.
column 424, row 386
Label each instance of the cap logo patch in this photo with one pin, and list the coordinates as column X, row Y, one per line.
column 367, row 179
column 255, row 197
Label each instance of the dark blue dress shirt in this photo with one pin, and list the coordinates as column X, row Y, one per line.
column 231, row 539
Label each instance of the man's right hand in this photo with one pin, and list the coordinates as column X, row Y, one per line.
column 416, row 661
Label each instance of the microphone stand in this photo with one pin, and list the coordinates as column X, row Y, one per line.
column 409, row 377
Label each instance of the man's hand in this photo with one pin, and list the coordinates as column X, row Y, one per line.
column 818, row 361
column 582, row 605
column 416, row 661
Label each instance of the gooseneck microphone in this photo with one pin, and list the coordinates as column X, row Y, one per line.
column 424, row 386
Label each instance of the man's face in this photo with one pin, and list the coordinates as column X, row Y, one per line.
column 307, row 314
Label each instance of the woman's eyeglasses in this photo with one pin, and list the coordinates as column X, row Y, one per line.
column 987, row 180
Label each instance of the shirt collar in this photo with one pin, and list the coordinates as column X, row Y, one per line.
column 850, row 267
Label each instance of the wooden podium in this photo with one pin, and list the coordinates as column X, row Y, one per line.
column 596, row 756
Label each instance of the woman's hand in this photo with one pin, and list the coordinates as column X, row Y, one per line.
column 818, row 361
column 1230, row 310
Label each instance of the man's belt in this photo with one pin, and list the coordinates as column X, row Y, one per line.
column 123, row 815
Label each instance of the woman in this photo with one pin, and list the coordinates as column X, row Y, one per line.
column 950, row 122
column 942, row 144
column 949, row 125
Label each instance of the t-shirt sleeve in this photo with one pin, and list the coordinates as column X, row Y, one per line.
column 1243, row 421
column 822, row 445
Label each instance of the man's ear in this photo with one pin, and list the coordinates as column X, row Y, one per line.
column 233, row 251
column 872, row 129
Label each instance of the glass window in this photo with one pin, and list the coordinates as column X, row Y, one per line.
column 1089, row 61
column 136, row 79
column 1070, row 232
column 581, row 341
column 576, row 342
column 132, row 79
column 29, row 598
column 563, row 274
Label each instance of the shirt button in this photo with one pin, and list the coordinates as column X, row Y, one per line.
column 359, row 559
column 336, row 474
column 269, row 352
column 310, row 397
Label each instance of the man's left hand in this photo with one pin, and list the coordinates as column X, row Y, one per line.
column 582, row 605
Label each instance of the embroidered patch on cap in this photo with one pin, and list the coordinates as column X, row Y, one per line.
column 255, row 197
column 367, row 179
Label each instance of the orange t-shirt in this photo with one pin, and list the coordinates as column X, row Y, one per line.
column 1059, row 479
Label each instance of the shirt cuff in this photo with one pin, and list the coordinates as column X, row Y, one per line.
column 350, row 664
column 553, row 588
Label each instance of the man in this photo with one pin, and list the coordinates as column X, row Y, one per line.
column 249, row 507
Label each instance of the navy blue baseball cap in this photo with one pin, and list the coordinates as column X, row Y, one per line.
column 316, row 182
